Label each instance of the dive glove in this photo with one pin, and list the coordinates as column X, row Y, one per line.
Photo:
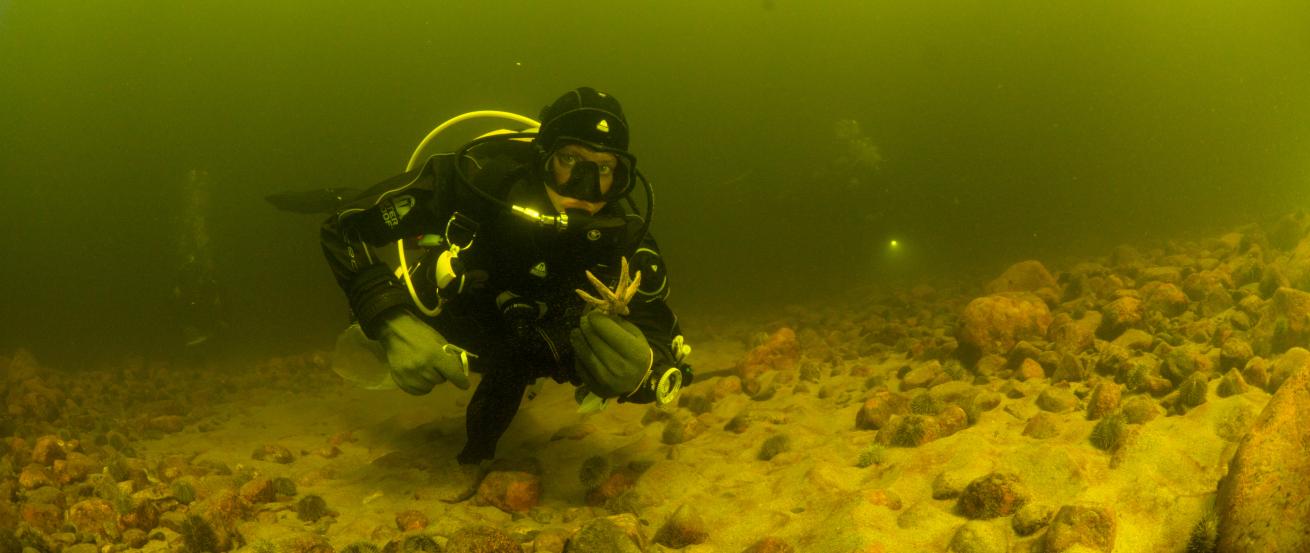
column 420, row 358
column 613, row 358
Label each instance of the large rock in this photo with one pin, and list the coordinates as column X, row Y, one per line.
column 1081, row 527
column 1284, row 367
column 1104, row 400
column 95, row 515
column 42, row 516
column 1268, row 481
column 1074, row 336
column 510, row 491
column 1164, row 297
column 20, row 366
column 1027, row 276
column 684, row 527
column 994, row 324
column 1286, row 232
column 32, row 398
column 1210, row 290
column 909, row 431
column 879, row 408
column 1246, row 269
column 994, row 495
column 479, row 539
column 779, row 352
column 1284, row 324
column 770, row 544
column 614, row 534
column 1166, row 274
column 1296, row 269
column 1120, row 315
column 48, row 449
column 979, row 537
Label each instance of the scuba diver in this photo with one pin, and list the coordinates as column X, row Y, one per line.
column 199, row 314
column 198, row 307
column 528, row 238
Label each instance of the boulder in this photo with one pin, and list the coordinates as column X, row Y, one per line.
column 258, row 490
column 42, row 516
column 614, row 534
column 979, row 537
column 1268, row 480
column 510, row 491
column 1297, row 267
column 1074, row 336
column 76, row 468
column 478, row 539
column 1057, row 399
column 909, row 431
column 1164, row 297
column 1286, row 365
column 995, row 495
column 779, row 352
column 1164, row 274
column 1286, row 232
column 1134, row 339
column 1120, row 315
column 1030, row 518
column 1210, row 290
column 681, row 428
column 1104, row 400
column 879, row 408
column 1088, row 526
column 770, row 544
column 1027, row 276
column 48, row 449
column 1041, row 426
column 1285, row 323
column 411, row 520
column 96, row 515
column 684, row 527
column 994, row 324
column 1234, row 354
column 921, row 376
column 1246, row 269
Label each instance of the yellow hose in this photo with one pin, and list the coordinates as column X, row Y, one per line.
column 414, row 161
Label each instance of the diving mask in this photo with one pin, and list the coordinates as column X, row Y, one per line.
column 587, row 178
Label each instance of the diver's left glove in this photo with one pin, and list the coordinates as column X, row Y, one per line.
column 419, row 356
column 613, row 358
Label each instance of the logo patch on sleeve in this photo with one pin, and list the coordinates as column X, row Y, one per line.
column 395, row 208
column 539, row 270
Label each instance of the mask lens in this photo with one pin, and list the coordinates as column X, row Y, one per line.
column 622, row 180
column 585, row 176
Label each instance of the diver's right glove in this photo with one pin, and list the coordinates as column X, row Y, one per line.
column 420, row 358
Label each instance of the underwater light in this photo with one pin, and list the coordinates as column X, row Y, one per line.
column 894, row 244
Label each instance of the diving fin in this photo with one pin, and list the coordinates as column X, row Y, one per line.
column 312, row 202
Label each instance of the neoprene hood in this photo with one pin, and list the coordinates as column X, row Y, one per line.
column 586, row 116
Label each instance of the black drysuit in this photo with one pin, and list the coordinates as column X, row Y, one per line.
column 516, row 305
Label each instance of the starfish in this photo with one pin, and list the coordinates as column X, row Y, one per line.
column 613, row 302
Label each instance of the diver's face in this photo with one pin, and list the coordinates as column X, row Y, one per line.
column 561, row 167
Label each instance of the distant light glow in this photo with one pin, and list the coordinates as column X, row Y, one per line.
column 894, row 244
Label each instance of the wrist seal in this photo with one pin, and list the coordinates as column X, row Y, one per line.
column 372, row 292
